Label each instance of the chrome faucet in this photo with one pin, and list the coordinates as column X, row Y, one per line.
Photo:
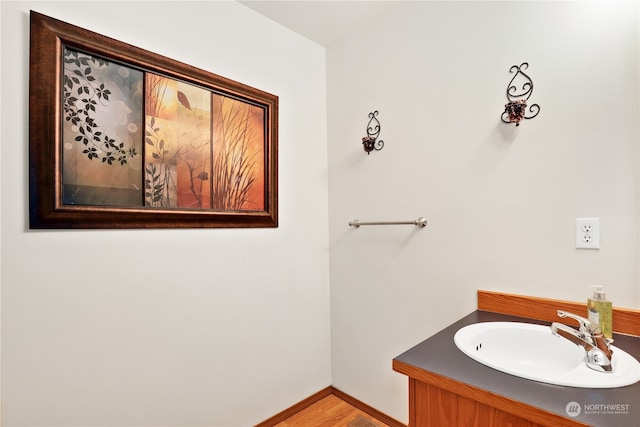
column 590, row 337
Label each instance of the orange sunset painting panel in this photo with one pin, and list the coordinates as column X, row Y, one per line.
column 177, row 144
column 238, row 155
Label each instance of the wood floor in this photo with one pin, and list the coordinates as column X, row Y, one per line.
column 331, row 411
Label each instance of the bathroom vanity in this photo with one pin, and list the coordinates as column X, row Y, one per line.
column 448, row 388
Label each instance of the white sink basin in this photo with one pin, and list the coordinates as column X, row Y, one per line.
column 531, row 351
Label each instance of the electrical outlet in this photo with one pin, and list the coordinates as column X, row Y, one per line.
column 588, row 233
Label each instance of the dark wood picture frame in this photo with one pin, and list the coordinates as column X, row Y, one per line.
column 47, row 81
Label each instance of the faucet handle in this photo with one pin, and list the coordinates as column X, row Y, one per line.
column 586, row 325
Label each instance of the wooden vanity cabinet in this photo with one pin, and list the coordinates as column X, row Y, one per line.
column 433, row 406
column 436, row 401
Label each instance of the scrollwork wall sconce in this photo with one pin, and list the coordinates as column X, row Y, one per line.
column 371, row 141
column 515, row 109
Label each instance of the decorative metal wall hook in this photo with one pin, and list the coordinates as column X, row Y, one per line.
column 371, row 141
column 515, row 109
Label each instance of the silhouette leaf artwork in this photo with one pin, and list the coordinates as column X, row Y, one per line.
column 80, row 111
column 182, row 98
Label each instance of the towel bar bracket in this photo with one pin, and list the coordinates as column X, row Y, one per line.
column 420, row 222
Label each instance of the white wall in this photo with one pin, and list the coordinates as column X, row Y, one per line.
column 501, row 201
column 169, row 327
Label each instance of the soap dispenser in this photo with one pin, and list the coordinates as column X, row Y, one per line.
column 600, row 311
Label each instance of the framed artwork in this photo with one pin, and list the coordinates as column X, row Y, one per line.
column 120, row 137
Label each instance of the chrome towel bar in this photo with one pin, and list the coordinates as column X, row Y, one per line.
column 420, row 222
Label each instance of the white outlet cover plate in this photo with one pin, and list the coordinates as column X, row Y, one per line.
column 587, row 233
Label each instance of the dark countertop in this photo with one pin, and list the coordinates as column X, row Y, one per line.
column 439, row 354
